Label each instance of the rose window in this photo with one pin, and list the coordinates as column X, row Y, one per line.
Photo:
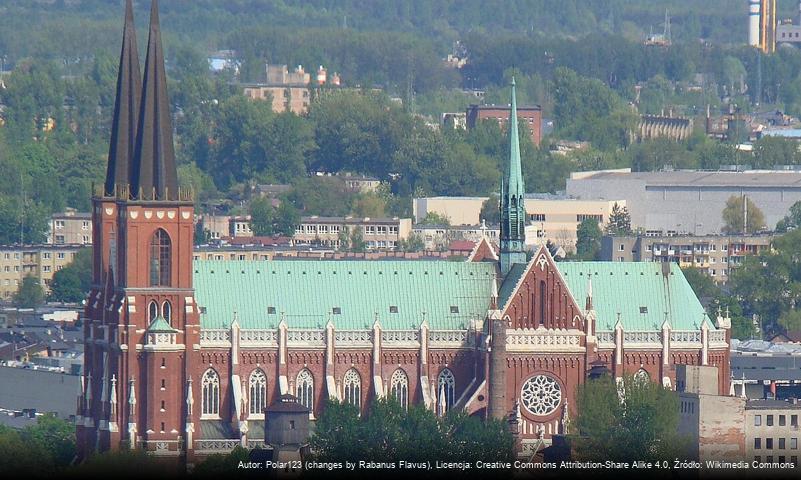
column 541, row 395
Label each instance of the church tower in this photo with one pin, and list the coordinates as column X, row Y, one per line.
column 513, row 211
column 140, row 319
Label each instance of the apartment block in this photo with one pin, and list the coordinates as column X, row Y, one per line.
column 716, row 255
column 377, row 233
column 439, row 237
column 41, row 261
column 70, row 228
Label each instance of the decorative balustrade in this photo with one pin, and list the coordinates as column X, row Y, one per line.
column 400, row 338
column 258, row 338
column 717, row 336
column 551, row 340
column 686, row 336
column 450, row 338
column 347, row 338
column 258, row 444
column 605, row 338
column 161, row 338
column 642, row 337
column 222, row 445
column 215, row 338
column 305, row 337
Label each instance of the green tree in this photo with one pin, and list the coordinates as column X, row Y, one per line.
column 356, row 241
column 72, row 283
column 414, row 243
column 636, row 419
column 369, row 205
column 734, row 214
column 490, row 210
column 701, row 283
column 790, row 321
column 619, row 221
column 588, row 239
column 30, row 293
column 268, row 220
column 220, row 464
column 792, row 220
column 434, row 218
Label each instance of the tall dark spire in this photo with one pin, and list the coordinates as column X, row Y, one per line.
column 154, row 176
column 126, row 110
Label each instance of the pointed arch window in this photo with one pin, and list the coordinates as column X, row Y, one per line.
column 211, row 394
column 152, row 311
column 353, row 388
column 160, row 259
column 258, row 392
column 166, row 311
column 304, row 387
column 446, row 387
column 642, row 376
column 399, row 388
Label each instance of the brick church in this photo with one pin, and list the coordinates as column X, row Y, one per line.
column 182, row 356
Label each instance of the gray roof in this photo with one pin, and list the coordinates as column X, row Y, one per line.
column 696, row 178
column 771, row 404
column 45, row 391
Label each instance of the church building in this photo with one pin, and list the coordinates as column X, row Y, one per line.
column 183, row 356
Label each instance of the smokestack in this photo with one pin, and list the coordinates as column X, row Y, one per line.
column 753, row 22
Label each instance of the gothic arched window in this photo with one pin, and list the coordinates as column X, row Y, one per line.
column 152, row 311
column 166, row 311
column 258, row 392
column 160, row 256
column 211, row 393
column 304, row 386
column 642, row 376
column 399, row 387
column 446, row 386
column 353, row 388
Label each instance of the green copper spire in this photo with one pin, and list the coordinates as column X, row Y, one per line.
column 513, row 211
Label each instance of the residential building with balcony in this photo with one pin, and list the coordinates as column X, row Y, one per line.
column 716, row 255
column 377, row 233
column 40, row 261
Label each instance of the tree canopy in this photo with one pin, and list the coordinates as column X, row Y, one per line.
column 71, row 284
column 742, row 218
column 588, row 239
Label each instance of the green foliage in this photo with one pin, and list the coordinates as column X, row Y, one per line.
column 38, row 450
column 734, row 214
column 434, row 218
column 771, row 295
column 369, row 205
column 588, row 239
column 790, row 321
column 414, row 243
column 71, row 284
column 356, row 241
column 701, row 283
column 790, row 221
column 121, row 463
column 222, row 464
column 619, row 221
column 30, row 293
column 389, row 433
column 490, row 210
column 268, row 220
column 634, row 420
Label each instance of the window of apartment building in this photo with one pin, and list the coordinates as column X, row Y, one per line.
column 769, row 420
column 16, row 268
column 369, row 229
column 584, row 216
column 794, row 459
column 300, row 229
column 46, row 255
column 59, row 238
column 769, row 443
column 46, row 268
column 793, row 444
column 713, row 272
column 59, row 267
column 621, row 259
column 311, row 228
column 242, row 257
column 59, row 224
column 7, row 268
column 782, row 420
column 757, row 444
column 323, row 228
column 382, row 230
column 334, row 228
column 60, row 255
column 7, row 256
column 757, row 420
column 758, row 458
column 712, row 260
column 393, row 230
column 622, row 248
column 781, row 444
column 712, row 247
column 653, row 233
column 769, row 459
column 536, row 217
column 86, row 239
column 16, row 256
column 85, row 225
column 793, row 420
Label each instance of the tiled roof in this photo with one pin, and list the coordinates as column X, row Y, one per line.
column 352, row 294
column 639, row 291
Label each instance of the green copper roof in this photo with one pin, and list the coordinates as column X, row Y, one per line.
column 352, row 294
column 639, row 291
column 159, row 324
column 514, row 180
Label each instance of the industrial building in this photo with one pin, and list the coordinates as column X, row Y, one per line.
column 688, row 201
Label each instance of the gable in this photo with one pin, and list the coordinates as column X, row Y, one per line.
column 351, row 294
column 536, row 296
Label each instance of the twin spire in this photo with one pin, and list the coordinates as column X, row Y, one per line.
column 513, row 211
column 141, row 154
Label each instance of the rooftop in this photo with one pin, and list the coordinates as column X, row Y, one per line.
column 770, row 404
column 699, row 178
column 352, row 294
